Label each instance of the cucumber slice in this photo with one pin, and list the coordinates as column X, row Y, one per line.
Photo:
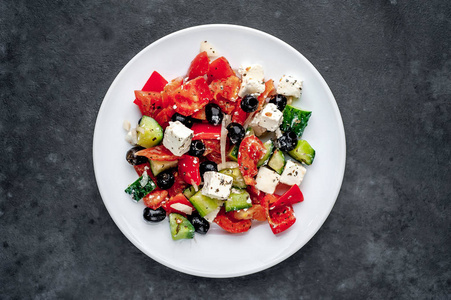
column 295, row 119
column 189, row 192
column 303, row 152
column 238, row 199
column 238, row 179
column 277, row 161
column 269, row 146
column 140, row 187
column 250, row 131
column 159, row 166
column 181, row 228
column 233, row 153
column 153, row 133
column 203, row 204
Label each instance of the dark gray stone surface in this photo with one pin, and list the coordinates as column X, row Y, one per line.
column 388, row 64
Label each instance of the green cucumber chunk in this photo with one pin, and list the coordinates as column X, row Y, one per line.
column 189, row 192
column 277, row 161
column 203, row 204
column 233, row 153
column 238, row 199
column 159, row 166
column 140, row 188
column 249, row 131
column 238, row 179
column 303, row 152
column 295, row 119
column 180, row 227
column 153, row 133
column 269, row 146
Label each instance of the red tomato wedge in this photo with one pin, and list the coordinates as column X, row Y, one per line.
column 199, row 66
column 158, row 153
column 177, row 199
column 219, row 68
column 200, row 115
column 189, row 169
column 149, row 103
column 226, row 88
column 164, row 116
column 227, row 222
column 155, row 83
column 256, row 212
column 141, row 168
column 178, row 186
column 191, row 97
column 290, row 197
column 238, row 115
column 155, row 198
column 169, row 89
column 205, row 131
column 269, row 91
column 212, row 146
column 225, row 105
column 250, row 152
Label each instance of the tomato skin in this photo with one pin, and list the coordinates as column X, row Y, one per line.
column 206, row 131
column 250, row 152
column 290, row 197
column 155, row 83
column 191, row 97
column 227, row 222
column 225, row 105
column 219, row 68
column 189, row 169
column 178, row 186
column 166, row 95
column 149, row 103
column 212, row 146
column 179, row 198
column 164, row 116
column 226, row 88
column 269, row 91
column 200, row 115
column 155, row 198
column 199, row 66
column 158, row 153
column 238, row 115
column 256, row 212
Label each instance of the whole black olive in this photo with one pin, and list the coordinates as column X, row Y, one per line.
column 213, row 113
column 154, row 215
column 249, row 103
column 187, row 121
column 287, row 141
column 280, row 101
column 133, row 159
column 165, row 180
column 236, row 132
column 200, row 224
column 196, row 148
column 207, row 166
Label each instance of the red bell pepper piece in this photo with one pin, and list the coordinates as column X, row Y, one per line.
column 189, row 169
column 205, row 131
column 280, row 218
column 155, row 198
column 239, row 115
column 177, row 199
column 141, row 168
column 199, row 66
column 227, row 222
column 155, row 83
column 178, row 186
column 290, row 197
column 158, row 153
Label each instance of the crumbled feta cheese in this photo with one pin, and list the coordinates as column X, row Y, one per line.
column 267, row 180
column 270, row 117
column 258, row 130
column 182, row 208
column 252, row 80
column 177, row 138
column 217, row 185
column 289, row 86
column 293, row 173
column 126, row 125
column 132, row 137
column 207, row 47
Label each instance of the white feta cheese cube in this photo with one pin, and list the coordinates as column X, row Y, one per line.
column 267, row 180
column 293, row 173
column 177, row 138
column 207, row 47
column 270, row 117
column 258, row 130
column 252, row 80
column 289, row 86
column 217, row 185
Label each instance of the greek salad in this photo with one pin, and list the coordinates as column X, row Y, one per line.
column 215, row 146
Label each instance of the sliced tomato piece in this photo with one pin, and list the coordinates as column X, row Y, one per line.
column 178, row 186
column 238, row 115
column 256, row 212
column 166, row 94
column 177, row 199
column 155, row 83
column 226, row 88
column 164, row 116
column 219, row 68
column 251, row 150
column 215, row 157
column 141, row 168
column 149, row 103
column 199, row 66
column 212, row 146
column 189, row 169
column 290, row 197
column 206, row 131
column 191, row 97
column 200, row 115
column 158, row 153
column 269, row 91
column 225, row 105
column 227, row 222
column 155, row 198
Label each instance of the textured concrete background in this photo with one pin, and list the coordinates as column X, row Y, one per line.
column 388, row 64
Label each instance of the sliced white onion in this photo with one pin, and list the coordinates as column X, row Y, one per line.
column 126, row 125
column 248, row 120
column 134, row 136
column 228, row 165
column 223, row 140
column 140, row 129
column 195, row 186
column 182, row 208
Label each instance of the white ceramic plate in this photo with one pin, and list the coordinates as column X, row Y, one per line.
column 219, row 254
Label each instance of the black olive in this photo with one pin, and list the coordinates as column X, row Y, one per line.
column 249, row 103
column 213, row 113
column 133, row 159
column 187, row 121
column 236, row 133
column 196, row 148
column 287, row 141
column 280, row 101
column 165, row 180
column 207, row 166
column 200, row 224
column 152, row 215
column 139, row 121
